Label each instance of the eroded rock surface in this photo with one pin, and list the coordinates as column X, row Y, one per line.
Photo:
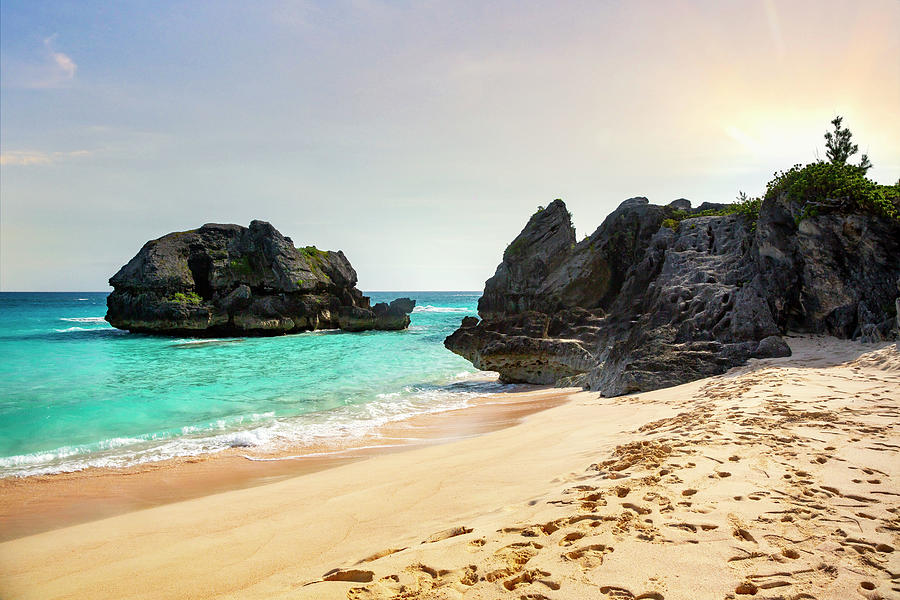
column 638, row 305
column 234, row 280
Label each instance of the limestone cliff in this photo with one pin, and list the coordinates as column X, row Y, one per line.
column 638, row 305
column 234, row 280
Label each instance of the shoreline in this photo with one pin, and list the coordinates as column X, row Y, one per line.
column 40, row 503
column 777, row 479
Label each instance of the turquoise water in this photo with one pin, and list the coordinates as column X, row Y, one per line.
column 77, row 392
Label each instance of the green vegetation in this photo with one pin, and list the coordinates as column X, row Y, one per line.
column 671, row 224
column 314, row 257
column 744, row 206
column 818, row 187
column 517, row 246
column 241, row 266
column 822, row 186
column 748, row 207
column 313, row 253
column 187, row 298
column 839, row 146
column 836, row 185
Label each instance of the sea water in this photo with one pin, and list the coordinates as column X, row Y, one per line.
column 77, row 393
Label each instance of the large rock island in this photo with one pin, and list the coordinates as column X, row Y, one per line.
column 235, row 280
column 662, row 295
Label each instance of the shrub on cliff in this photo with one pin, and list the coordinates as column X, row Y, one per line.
column 825, row 186
column 187, row 298
column 746, row 206
column 836, row 185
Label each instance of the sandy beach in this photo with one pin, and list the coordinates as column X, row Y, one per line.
column 775, row 480
column 30, row 505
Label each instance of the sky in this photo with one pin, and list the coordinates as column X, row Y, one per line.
column 417, row 137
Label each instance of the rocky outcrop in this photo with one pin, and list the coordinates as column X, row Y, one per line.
column 646, row 302
column 832, row 273
column 234, row 280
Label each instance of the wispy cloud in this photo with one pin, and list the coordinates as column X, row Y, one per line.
column 29, row 158
column 48, row 68
column 63, row 68
column 65, row 65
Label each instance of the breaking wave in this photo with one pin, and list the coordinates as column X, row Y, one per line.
column 439, row 309
column 262, row 431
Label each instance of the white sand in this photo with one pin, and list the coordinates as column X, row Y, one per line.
column 776, row 480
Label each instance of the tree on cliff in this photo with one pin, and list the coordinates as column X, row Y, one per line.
column 839, row 146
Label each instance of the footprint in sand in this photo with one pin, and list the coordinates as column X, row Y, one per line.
column 746, row 589
column 571, row 538
column 620, row 593
column 380, row 554
column 476, row 545
column 589, row 557
column 641, row 510
column 693, row 528
column 413, row 581
column 512, row 559
column 447, row 533
column 742, row 534
column 354, row 575
column 531, row 576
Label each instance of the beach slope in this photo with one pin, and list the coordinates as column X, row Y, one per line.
column 775, row 480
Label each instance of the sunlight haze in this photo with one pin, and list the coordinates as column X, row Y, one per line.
column 416, row 137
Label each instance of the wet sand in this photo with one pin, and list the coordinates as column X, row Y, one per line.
column 35, row 504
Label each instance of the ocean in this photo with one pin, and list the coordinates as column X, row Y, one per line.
column 77, row 393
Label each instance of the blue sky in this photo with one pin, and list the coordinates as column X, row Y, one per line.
column 416, row 136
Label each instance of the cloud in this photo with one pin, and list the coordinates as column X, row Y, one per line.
column 25, row 158
column 65, row 67
column 47, row 68
column 30, row 158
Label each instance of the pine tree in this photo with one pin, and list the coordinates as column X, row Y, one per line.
column 839, row 146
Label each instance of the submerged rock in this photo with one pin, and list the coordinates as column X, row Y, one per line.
column 234, row 280
column 645, row 303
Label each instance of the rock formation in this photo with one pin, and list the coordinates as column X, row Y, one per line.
column 234, row 280
column 642, row 304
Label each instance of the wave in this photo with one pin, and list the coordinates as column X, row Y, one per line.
column 87, row 332
column 205, row 342
column 439, row 309
column 84, row 319
column 263, row 431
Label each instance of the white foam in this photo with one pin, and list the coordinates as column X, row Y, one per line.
column 439, row 309
column 190, row 343
column 264, row 431
column 84, row 319
column 245, row 439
